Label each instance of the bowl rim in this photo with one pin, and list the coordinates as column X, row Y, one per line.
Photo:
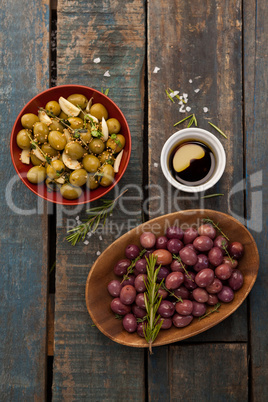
column 63, row 201
column 202, row 135
column 209, row 324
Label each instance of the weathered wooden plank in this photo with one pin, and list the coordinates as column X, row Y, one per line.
column 24, row 66
column 201, row 55
column 255, row 98
column 87, row 365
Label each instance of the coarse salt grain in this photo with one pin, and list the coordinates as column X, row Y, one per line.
column 86, row 242
column 100, row 237
column 190, row 81
column 182, row 110
column 197, row 90
column 188, row 108
column 107, row 74
column 97, row 60
column 174, row 93
column 89, row 234
column 98, row 253
column 79, row 222
column 77, row 218
column 155, row 164
column 156, row 69
column 205, row 109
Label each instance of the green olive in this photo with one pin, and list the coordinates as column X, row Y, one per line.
column 23, row 140
column 36, row 174
column 107, row 172
column 53, row 107
column 76, row 122
column 117, row 143
column 105, row 157
column 96, row 146
column 28, row 120
column 78, row 177
column 52, row 185
column 92, row 182
column 63, row 115
column 85, row 135
column 99, row 111
column 56, row 126
column 113, row 125
column 91, row 163
column 82, row 114
column 78, row 99
column 55, row 169
column 57, row 140
column 48, row 150
column 74, row 150
column 69, row 192
column 35, row 161
column 41, row 132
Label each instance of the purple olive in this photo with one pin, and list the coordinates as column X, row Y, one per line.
column 114, row 287
column 215, row 256
column 174, row 280
column 148, row 252
column 174, row 232
column 176, row 266
column 226, row 295
column 138, row 311
column 162, row 273
column 174, row 246
column 203, row 243
column 223, row 272
column 204, row 277
column 215, row 286
column 129, row 280
column 189, row 235
column 198, row 309
column 202, row 262
column 188, row 256
column 189, row 281
column 130, row 323
column 161, row 242
column 185, row 307
column 140, row 282
column 181, row 321
column 221, row 242
column 140, row 300
column 147, row 240
column 121, row 267
column 119, row 308
column 128, row 294
column 163, row 293
column 200, row 295
column 141, row 266
column 132, row 251
column 166, row 309
column 212, row 300
column 182, row 292
column 207, row 230
column 140, row 329
column 166, row 323
column 236, row 249
column 236, row 280
column 231, row 261
column 191, row 246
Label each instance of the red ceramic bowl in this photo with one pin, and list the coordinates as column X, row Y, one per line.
column 40, row 100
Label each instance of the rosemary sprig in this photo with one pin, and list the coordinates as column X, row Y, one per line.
column 214, row 310
column 152, row 301
column 181, row 121
column 218, row 129
column 177, row 96
column 227, row 252
column 191, row 122
column 208, row 220
column 195, row 120
column 179, row 299
column 178, row 258
column 105, row 92
column 132, row 265
column 96, row 216
column 212, row 195
column 35, row 145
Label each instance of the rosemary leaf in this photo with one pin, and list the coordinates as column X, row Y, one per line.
column 190, row 122
column 214, row 310
column 218, row 129
column 216, row 226
column 168, row 95
column 212, row 195
column 178, row 258
column 181, row 121
column 132, row 265
column 177, row 96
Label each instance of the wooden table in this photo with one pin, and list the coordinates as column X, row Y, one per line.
column 214, row 51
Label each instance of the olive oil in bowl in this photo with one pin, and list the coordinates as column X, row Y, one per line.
column 192, row 163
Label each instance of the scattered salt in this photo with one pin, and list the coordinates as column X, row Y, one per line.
column 78, row 222
column 98, row 253
column 86, row 242
column 180, row 102
column 190, row 81
column 197, row 90
column 77, row 218
column 182, row 110
column 196, row 78
column 89, row 234
column 97, row 60
column 155, row 164
column 107, row 74
column 174, row 93
column 205, row 109
column 188, row 108
column 100, row 237
column 185, row 96
column 156, row 69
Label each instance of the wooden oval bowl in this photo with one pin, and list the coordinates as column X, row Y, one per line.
column 98, row 299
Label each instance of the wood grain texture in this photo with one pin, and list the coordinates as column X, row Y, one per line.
column 203, row 44
column 24, row 70
column 256, row 87
column 87, row 365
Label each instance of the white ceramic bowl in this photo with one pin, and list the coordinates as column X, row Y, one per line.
column 194, row 134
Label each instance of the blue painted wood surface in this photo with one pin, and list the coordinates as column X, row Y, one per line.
column 24, row 66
